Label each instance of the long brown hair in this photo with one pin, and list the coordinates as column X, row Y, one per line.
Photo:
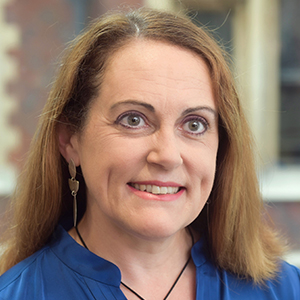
column 239, row 239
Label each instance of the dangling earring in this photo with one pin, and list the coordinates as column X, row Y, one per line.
column 207, row 215
column 74, row 186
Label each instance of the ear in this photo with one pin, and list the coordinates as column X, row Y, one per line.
column 68, row 143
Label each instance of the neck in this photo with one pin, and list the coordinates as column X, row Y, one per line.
column 127, row 250
column 155, row 273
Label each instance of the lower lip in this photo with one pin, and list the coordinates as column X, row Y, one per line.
column 149, row 196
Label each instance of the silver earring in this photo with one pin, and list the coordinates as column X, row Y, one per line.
column 74, row 186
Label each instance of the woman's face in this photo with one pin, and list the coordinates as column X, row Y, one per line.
column 148, row 150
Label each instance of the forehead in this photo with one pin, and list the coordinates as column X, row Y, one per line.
column 145, row 68
column 156, row 56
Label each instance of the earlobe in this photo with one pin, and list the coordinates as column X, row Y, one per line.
column 68, row 143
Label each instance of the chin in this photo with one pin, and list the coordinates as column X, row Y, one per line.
column 158, row 230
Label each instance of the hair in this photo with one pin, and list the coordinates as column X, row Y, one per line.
column 239, row 239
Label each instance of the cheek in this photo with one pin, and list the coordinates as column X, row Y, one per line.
column 210, row 174
column 204, row 165
column 104, row 165
column 204, row 169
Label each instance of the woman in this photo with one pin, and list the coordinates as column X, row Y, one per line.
column 144, row 129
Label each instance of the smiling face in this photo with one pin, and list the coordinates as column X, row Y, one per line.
column 148, row 149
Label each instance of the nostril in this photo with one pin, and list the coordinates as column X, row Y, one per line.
column 168, row 158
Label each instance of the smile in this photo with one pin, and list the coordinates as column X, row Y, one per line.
column 154, row 189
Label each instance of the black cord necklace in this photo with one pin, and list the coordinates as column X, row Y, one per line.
column 130, row 289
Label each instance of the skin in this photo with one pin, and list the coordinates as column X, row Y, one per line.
column 154, row 122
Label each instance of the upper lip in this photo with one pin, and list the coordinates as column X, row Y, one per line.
column 158, row 183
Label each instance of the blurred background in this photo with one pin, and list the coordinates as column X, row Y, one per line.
column 262, row 37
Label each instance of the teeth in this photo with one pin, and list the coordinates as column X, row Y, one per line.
column 149, row 188
column 164, row 190
column 157, row 190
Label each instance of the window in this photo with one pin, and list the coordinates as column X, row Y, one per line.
column 290, row 83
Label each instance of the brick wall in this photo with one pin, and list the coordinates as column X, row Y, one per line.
column 45, row 26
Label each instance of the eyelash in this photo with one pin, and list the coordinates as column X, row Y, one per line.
column 134, row 114
column 199, row 119
column 142, row 117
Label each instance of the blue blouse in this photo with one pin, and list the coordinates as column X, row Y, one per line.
column 64, row 270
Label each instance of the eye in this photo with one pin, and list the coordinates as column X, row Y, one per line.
column 131, row 120
column 195, row 125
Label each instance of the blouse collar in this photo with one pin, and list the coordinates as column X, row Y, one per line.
column 82, row 260
column 88, row 264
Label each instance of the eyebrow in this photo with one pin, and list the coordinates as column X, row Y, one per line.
column 135, row 102
column 197, row 108
column 152, row 109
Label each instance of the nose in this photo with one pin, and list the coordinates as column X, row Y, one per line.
column 164, row 150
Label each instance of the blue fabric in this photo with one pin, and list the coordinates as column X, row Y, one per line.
column 64, row 270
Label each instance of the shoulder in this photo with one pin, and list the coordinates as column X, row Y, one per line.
column 286, row 285
column 215, row 283
column 21, row 275
column 61, row 270
column 288, row 280
column 41, row 276
column 288, row 269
